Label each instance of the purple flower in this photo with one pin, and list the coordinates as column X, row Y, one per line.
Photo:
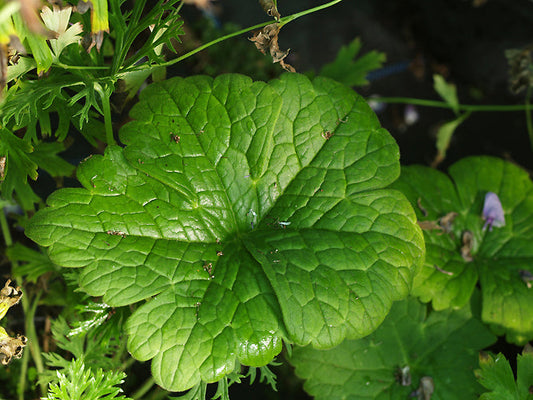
column 493, row 211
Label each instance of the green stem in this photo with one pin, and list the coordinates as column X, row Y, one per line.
column 292, row 17
column 529, row 124
column 29, row 313
column 147, row 385
column 31, row 333
column 82, row 67
column 5, row 229
column 21, row 387
column 106, row 107
column 441, row 104
column 282, row 22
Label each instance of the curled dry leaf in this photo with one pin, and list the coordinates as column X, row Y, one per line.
column 270, row 8
column 468, row 241
column 267, row 40
column 9, row 296
column 2, row 167
column 429, row 225
column 446, row 222
column 11, row 347
column 426, row 389
column 99, row 24
column 403, row 376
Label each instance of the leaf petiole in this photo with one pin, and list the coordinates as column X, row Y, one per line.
column 442, row 104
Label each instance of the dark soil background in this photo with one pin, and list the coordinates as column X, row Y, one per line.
column 463, row 41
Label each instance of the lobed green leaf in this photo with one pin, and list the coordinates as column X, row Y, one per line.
column 498, row 255
column 240, row 214
column 440, row 345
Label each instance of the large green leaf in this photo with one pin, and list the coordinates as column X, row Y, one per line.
column 248, row 213
column 498, row 255
column 442, row 345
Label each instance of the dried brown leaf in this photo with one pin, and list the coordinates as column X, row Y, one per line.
column 270, row 8
column 10, row 347
column 446, row 222
column 9, row 296
column 468, row 242
column 267, row 40
column 2, row 167
column 429, row 225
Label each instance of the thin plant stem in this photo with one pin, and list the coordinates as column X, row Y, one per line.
column 529, row 123
column 33, row 339
column 282, row 22
column 106, row 107
column 147, row 385
column 21, row 387
column 81, row 67
column 5, row 229
column 441, row 104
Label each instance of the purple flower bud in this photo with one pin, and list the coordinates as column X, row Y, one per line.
column 493, row 211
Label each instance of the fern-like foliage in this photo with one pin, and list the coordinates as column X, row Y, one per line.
column 81, row 383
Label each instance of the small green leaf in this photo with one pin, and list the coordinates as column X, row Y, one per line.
column 34, row 264
column 444, row 136
column 498, row 255
column 447, row 91
column 350, row 71
column 248, row 213
column 442, row 345
column 45, row 155
column 497, row 376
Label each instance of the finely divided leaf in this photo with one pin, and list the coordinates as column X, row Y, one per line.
column 496, row 257
column 497, row 376
column 18, row 167
column 248, row 213
column 390, row 362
